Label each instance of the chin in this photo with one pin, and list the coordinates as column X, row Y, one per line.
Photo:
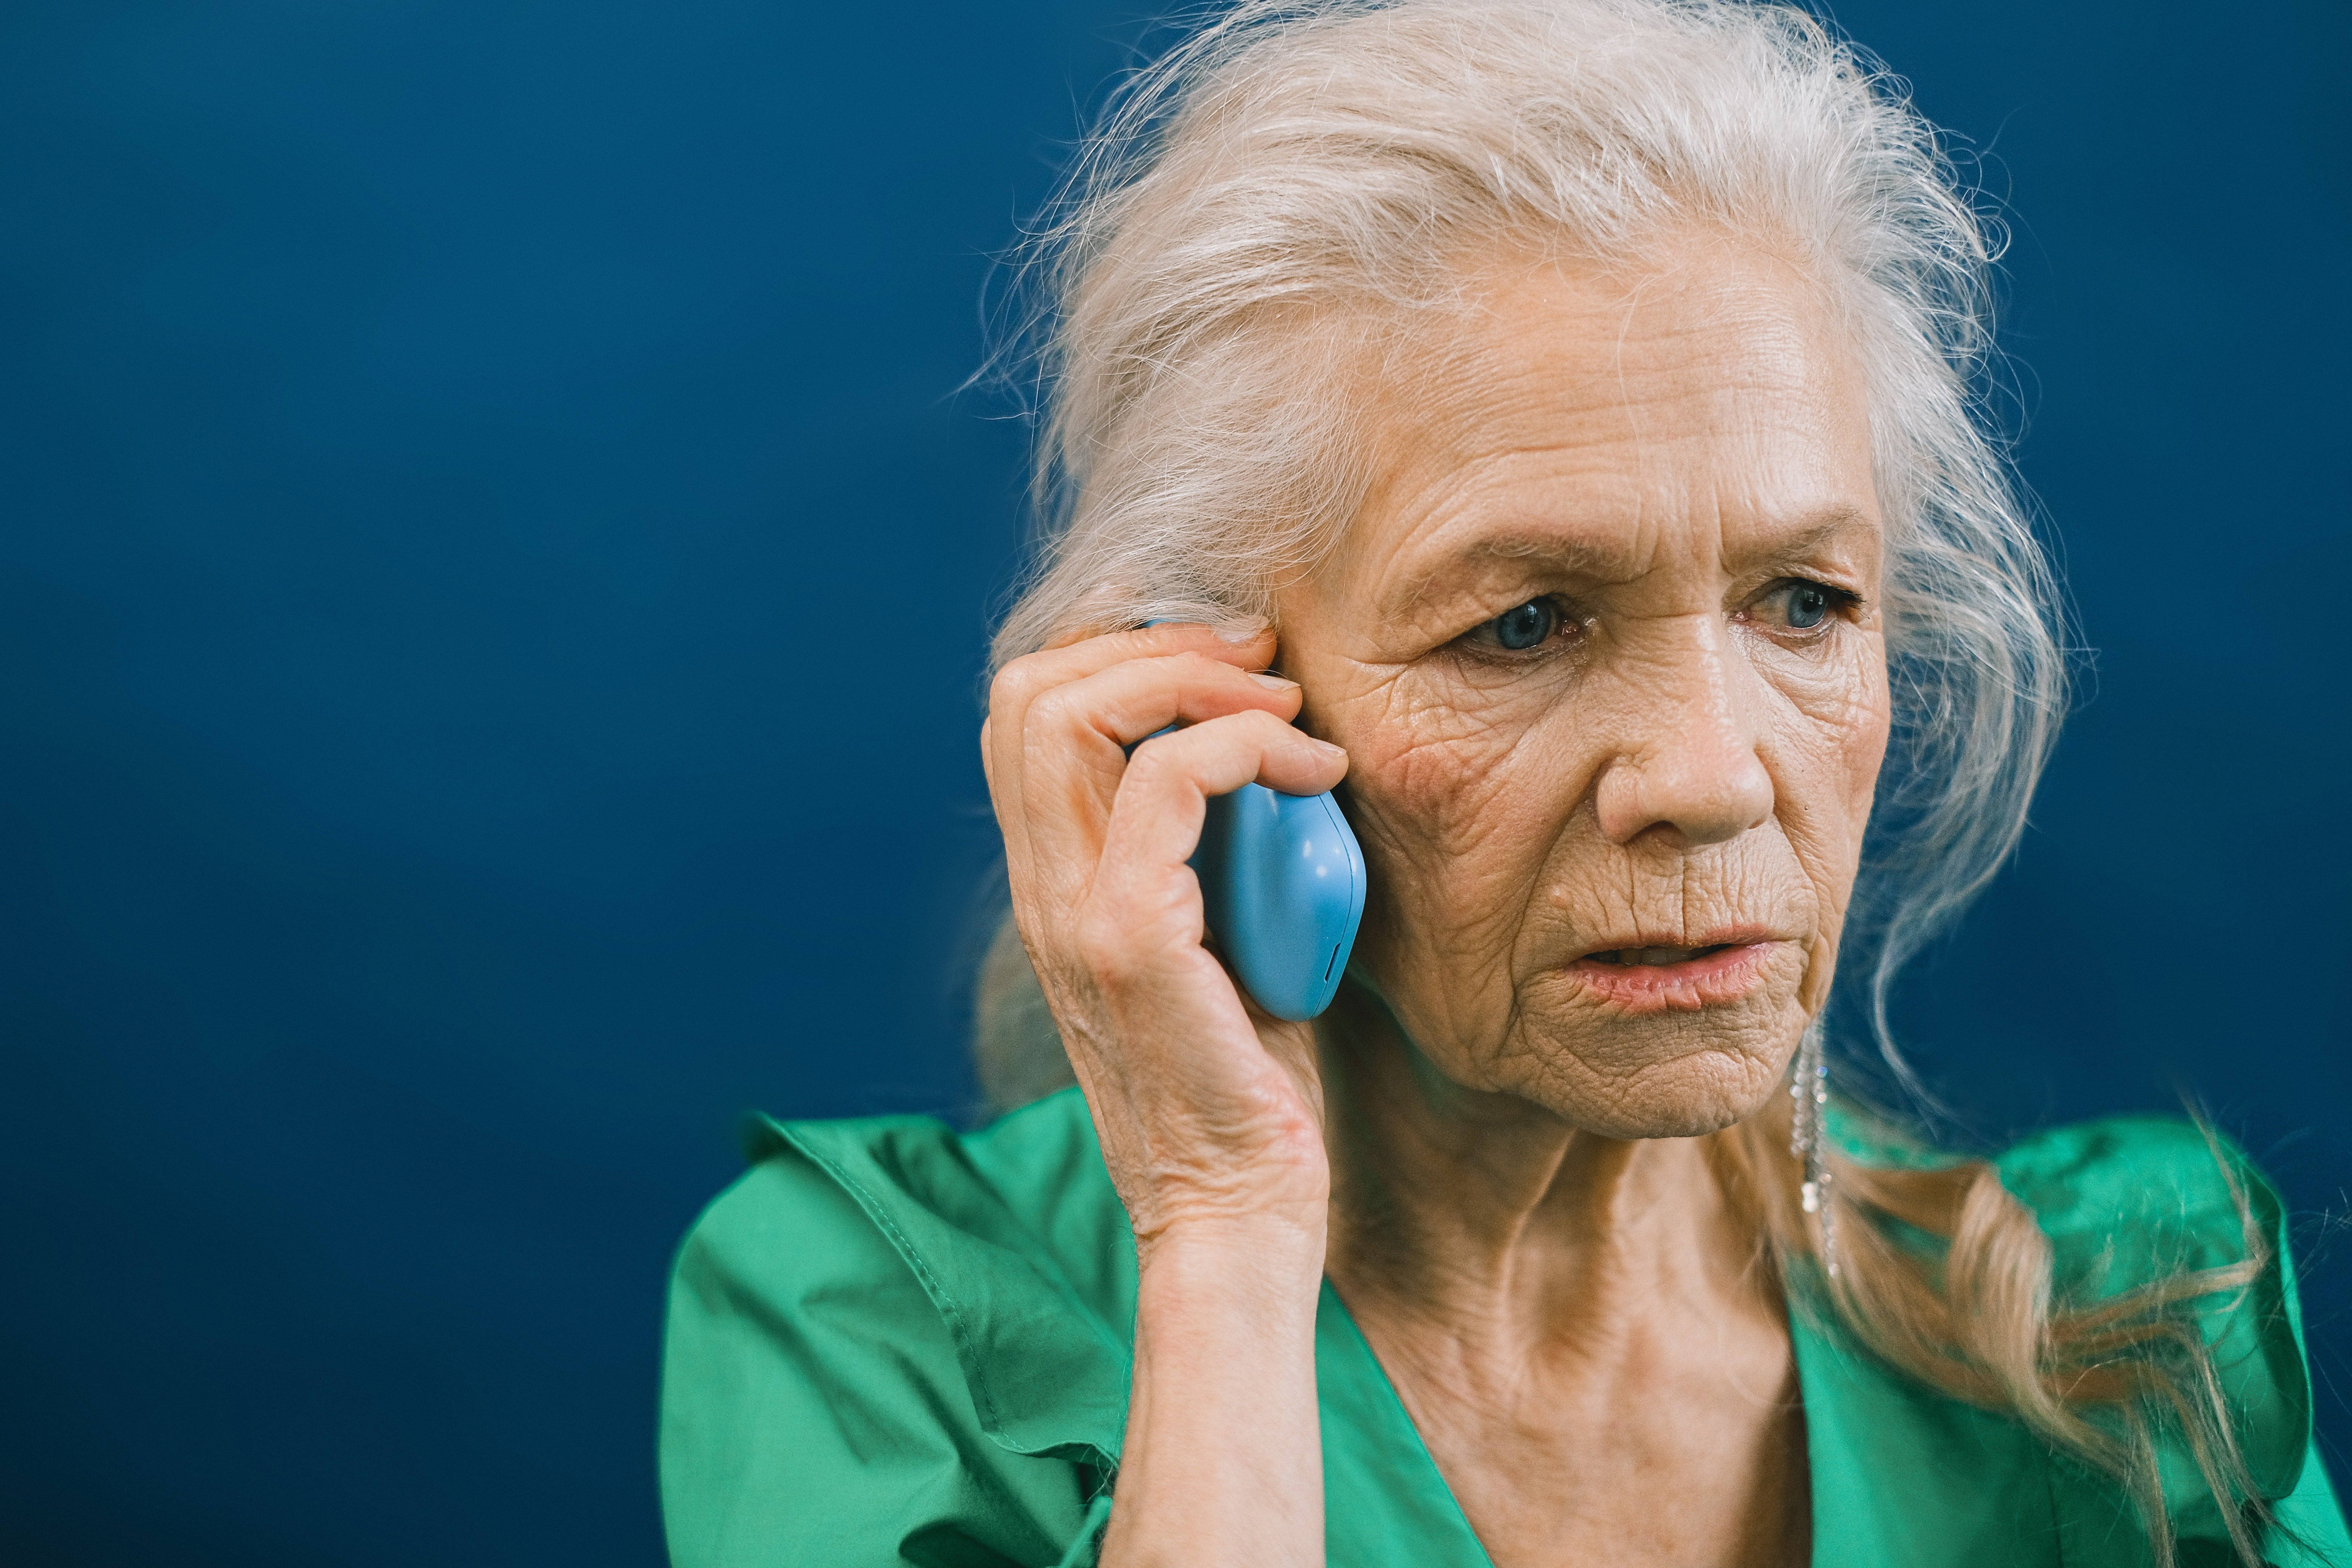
column 1679, row 1088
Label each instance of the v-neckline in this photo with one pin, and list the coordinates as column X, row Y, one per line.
column 1356, row 1389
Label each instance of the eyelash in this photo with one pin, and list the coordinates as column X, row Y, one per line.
column 1838, row 601
column 1486, row 639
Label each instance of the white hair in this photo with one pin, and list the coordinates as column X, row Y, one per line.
column 1297, row 164
column 1300, row 181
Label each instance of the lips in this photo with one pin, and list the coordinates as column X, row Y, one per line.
column 1654, row 957
column 1649, row 977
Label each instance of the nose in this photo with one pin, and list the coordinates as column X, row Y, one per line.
column 1687, row 762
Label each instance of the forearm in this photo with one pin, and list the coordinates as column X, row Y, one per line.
column 1223, row 1457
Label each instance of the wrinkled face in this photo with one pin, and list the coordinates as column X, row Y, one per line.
column 1605, row 650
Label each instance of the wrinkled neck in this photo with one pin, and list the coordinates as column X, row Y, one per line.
column 1484, row 1214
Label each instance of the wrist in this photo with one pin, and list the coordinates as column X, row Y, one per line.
column 1229, row 1282
column 1223, row 1456
column 1273, row 1246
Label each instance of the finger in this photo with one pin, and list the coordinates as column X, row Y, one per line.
column 1075, row 751
column 1141, row 879
column 1103, row 716
column 1220, row 755
column 1112, row 610
column 1023, row 681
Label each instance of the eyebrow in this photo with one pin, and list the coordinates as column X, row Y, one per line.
column 1818, row 527
column 1565, row 554
column 1579, row 556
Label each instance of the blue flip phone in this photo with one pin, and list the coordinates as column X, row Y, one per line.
column 1282, row 885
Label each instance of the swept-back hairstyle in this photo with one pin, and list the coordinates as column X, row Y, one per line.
column 1298, row 181
column 1299, row 170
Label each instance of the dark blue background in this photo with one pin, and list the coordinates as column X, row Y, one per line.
column 491, row 587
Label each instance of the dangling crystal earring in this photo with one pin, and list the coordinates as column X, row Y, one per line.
column 1808, row 1093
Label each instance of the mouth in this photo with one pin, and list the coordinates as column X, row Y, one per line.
column 1656, row 957
column 1657, row 978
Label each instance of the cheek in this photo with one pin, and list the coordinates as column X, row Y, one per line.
column 1830, row 746
column 1853, row 733
column 1455, row 819
column 1866, row 753
column 1435, row 776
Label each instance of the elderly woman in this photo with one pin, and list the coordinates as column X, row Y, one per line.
column 1554, row 418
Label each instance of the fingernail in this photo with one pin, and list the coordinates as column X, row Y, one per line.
column 1274, row 682
column 1340, row 752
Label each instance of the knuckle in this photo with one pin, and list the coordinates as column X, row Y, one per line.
column 1052, row 708
column 1013, row 684
column 1199, row 666
column 1241, row 731
column 1269, row 724
column 1102, row 947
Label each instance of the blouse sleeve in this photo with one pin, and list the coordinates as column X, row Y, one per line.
column 814, row 1411
column 2310, row 1531
column 2130, row 1201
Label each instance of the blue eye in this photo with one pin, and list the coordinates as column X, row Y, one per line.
column 1526, row 626
column 1799, row 604
column 1809, row 604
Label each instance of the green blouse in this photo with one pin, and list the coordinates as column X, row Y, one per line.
column 892, row 1343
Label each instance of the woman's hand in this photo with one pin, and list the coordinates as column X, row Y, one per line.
column 1207, row 1108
